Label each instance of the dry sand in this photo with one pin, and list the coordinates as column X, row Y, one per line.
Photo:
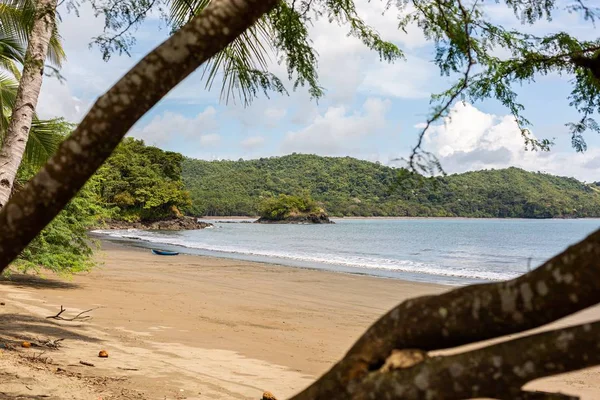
column 197, row 328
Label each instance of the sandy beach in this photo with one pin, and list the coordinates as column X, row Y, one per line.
column 197, row 328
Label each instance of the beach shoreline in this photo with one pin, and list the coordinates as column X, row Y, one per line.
column 203, row 327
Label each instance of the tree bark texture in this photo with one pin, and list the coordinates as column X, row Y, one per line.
column 28, row 92
column 113, row 114
column 497, row 371
column 565, row 284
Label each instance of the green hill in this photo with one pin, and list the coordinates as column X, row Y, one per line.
column 351, row 187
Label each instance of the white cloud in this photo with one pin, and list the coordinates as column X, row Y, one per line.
column 471, row 139
column 347, row 66
column 210, row 139
column 273, row 115
column 338, row 131
column 169, row 125
column 252, row 142
column 57, row 100
column 386, row 23
column 404, row 79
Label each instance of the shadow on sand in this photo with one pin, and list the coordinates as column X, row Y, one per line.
column 14, row 328
column 35, row 282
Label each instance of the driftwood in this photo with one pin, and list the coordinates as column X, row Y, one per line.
column 565, row 284
column 78, row 317
column 87, row 364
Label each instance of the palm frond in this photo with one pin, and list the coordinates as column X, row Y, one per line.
column 242, row 66
column 44, row 138
column 182, row 10
column 16, row 21
column 11, row 53
column 8, row 93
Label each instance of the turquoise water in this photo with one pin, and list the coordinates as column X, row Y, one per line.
column 448, row 251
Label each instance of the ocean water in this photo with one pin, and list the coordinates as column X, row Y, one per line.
column 446, row 251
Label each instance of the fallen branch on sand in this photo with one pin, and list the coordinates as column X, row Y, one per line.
column 87, row 364
column 78, row 317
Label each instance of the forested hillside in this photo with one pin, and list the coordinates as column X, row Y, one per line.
column 351, row 187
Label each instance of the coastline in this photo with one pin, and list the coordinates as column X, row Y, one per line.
column 204, row 327
column 241, row 217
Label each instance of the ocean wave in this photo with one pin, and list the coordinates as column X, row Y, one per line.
column 352, row 261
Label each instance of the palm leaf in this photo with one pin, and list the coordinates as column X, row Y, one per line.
column 8, row 93
column 16, row 21
column 11, row 53
column 241, row 66
column 182, row 10
column 44, row 138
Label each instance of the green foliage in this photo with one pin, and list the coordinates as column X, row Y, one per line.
column 16, row 22
column 142, row 183
column 64, row 246
column 284, row 206
column 466, row 42
column 351, row 187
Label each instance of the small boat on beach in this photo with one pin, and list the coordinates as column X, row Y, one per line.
column 164, row 252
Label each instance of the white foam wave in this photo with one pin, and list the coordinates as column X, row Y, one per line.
column 327, row 259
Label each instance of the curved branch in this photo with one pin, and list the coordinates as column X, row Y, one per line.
column 563, row 285
column 498, row 371
column 115, row 113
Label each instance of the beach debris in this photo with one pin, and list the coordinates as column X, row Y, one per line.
column 87, row 364
column 39, row 358
column 268, row 396
column 103, row 354
column 26, row 345
column 128, row 369
column 78, row 317
column 2, row 303
column 406, row 358
column 51, row 344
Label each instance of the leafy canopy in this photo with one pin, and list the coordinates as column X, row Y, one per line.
column 140, row 182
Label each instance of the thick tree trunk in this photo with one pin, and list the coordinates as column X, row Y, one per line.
column 27, row 97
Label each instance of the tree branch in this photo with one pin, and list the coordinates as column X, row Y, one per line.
column 563, row 285
column 498, row 371
column 115, row 113
column 78, row 317
column 525, row 395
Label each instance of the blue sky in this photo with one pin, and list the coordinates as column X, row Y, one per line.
column 371, row 110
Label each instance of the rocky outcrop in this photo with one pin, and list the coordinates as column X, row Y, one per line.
column 175, row 224
column 312, row 218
